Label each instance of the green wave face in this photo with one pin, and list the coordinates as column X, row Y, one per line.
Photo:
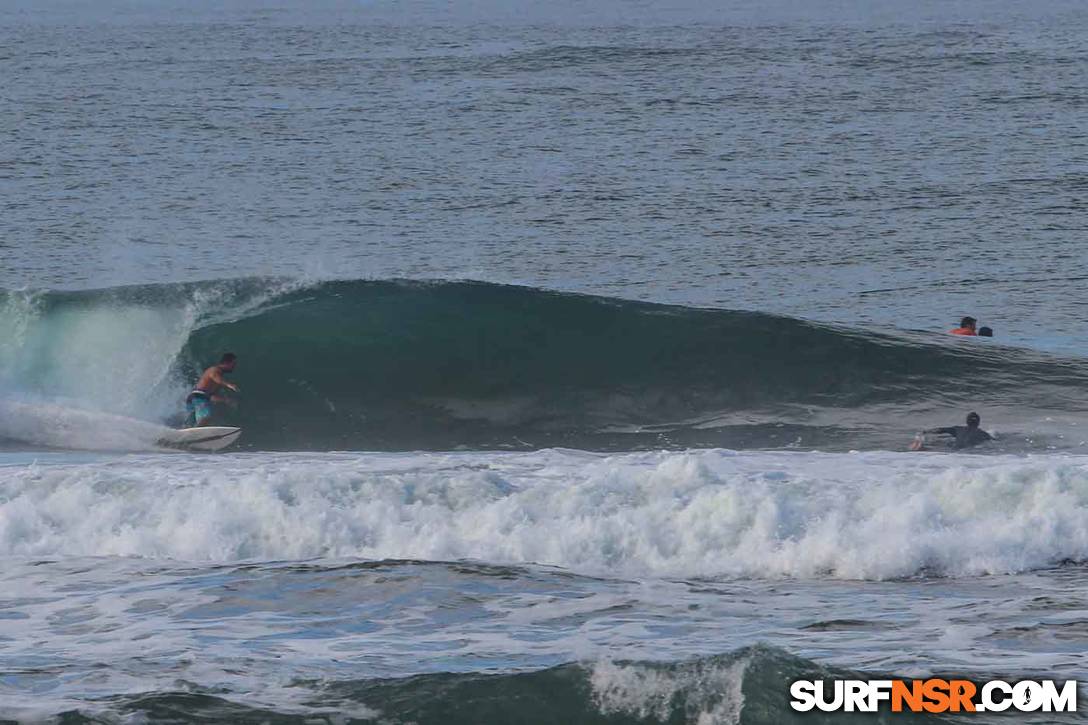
column 412, row 365
column 747, row 687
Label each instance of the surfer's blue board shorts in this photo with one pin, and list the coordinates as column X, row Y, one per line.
column 199, row 408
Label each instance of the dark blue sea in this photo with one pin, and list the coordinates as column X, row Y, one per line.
column 580, row 347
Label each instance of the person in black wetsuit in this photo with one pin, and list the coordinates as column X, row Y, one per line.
column 965, row 435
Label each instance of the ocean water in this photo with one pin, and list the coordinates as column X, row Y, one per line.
column 580, row 346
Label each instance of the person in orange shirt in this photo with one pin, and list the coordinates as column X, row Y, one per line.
column 967, row 327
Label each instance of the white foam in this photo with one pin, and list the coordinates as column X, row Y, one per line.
column 108, row 355
column 711, row 691
column 66, row 367
column 708, row 513
column 68, row 426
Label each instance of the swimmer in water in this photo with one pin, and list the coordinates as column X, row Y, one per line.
column 966, row 328
column 964, row 436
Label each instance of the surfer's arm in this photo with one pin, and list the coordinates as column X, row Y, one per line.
column 941, row 431
column 219, row 379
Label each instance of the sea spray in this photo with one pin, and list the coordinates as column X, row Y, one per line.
column 698, row 514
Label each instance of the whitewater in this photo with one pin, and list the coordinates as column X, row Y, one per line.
column 699, row 514
column 447, row 489
column 648, row 585
column 580, row 346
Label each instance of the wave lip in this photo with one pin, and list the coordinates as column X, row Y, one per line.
column 712, row 514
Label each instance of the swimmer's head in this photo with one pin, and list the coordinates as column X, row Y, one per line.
column 973, row 420
column 985, row 332
column 968, row 322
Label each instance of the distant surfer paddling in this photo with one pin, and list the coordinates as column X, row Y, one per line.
column 963, row 436
column 966, row 328
column 207, row 391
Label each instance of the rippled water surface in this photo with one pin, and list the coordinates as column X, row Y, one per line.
column 494, row 501
column 894, row 166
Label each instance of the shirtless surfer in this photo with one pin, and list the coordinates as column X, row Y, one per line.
column 206, row 391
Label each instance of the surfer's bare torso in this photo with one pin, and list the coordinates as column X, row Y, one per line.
column 208, row 389
column 212, row 382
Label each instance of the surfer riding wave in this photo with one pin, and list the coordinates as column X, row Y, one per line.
column 206, row 392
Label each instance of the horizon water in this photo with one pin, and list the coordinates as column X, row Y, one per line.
column 580, row 348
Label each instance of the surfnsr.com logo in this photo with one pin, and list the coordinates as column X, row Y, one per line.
column 933, row 695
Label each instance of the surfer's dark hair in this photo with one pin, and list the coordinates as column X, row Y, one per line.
column 228, row 357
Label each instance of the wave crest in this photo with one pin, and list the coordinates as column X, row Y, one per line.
column 411, row 365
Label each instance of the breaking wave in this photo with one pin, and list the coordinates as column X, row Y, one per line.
column 746, row 687
column 707, row 514
column 392, row 365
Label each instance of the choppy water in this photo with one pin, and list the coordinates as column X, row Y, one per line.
column 644, row 467
column 655, row 586
column 897, row 166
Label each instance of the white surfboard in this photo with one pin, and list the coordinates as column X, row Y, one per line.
column 208, row 438
column 934, row 442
